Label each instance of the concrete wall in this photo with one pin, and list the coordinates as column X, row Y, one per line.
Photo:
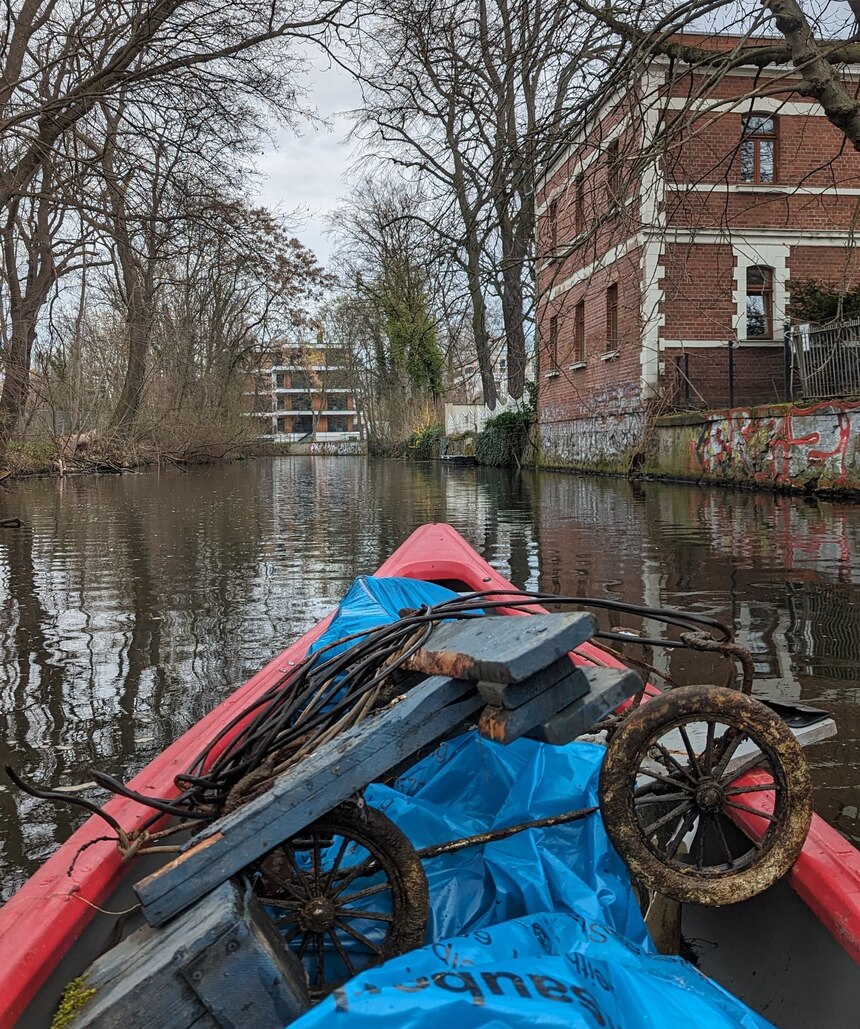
column 787, row 446
column 605, row 443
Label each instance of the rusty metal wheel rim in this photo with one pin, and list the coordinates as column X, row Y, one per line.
column 345, row 894
column 654, row 797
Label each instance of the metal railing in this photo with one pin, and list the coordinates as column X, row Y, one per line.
column 826, row 359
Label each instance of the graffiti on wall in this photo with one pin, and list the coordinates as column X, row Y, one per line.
column 795, row 446
column 332, row 448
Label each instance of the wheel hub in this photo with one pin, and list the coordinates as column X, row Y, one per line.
column 710, row 796
column 318, row 915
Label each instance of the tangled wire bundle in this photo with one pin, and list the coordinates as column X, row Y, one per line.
column 329, row 692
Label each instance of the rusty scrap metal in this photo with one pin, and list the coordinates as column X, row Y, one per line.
column 426, row 853
column 702, row 641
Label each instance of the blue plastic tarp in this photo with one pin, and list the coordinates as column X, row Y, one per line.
column 542, row 928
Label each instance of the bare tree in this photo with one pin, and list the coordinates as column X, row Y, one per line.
column 469, row 97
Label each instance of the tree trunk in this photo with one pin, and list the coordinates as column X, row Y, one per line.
column 139, row 321
column 821, row 79
column 16, row 384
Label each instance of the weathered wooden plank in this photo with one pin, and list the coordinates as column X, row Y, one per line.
column 609, row 687
column 220, row 965
column 335, row 772
column 504, row 725
column 501, row 649
column 514, row 694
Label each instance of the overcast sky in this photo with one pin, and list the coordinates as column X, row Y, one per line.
column 308, row 170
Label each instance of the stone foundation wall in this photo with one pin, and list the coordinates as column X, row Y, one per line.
column 603, row 443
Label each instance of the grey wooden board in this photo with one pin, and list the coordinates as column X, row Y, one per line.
column 514, row 694
column 609, row 687
column 504, row 725
column 335, row 772
column 502, row 649
column 221, row 965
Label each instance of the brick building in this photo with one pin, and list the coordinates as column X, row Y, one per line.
column 672, row 226
column 304, row 394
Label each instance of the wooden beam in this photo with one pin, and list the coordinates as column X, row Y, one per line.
column 608, row 687
column 512, row 695
column 503, row 650
column 297, row 798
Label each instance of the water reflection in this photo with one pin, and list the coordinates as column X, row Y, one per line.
column 132, row 604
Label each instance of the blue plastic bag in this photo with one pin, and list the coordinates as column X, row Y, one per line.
column 542, row 928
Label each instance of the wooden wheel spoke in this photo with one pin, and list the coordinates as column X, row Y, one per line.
column 691, row 754
column 291, row 935
column 727, row 850
column 317, row 865
column 729, row 748
column 699, row 841
column 751, row 810
column 319, row 975
column 362, row 868
column 373, row 916
column 664, row 778
column 342, row 952
column 281, row 905
column 341, row 850
column 709, row 748
column 680, row 833
column 360, row 937
column 300, row 876
column 303, row 946
column 290, row 886
column 369, row 891
column 759, row 787
column 747, row 766
column 675, row 813
column 658, row 798
column 672, row 760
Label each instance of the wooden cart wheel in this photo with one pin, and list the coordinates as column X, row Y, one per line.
column 347, row 893
column 668, row 787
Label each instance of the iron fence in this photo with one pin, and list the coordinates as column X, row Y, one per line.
column 826, row 360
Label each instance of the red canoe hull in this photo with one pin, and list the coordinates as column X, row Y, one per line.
column 43, row 920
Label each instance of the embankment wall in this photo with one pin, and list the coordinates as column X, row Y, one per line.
column 814, row 447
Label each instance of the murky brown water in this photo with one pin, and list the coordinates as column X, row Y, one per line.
column 131, row 605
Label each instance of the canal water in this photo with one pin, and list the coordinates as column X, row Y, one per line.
column 130, row 605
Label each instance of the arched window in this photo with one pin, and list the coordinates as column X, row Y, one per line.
column 758, row 148
column 759, row 302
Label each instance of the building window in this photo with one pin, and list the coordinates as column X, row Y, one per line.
column 579, row 205
column 579, row 333
column 553, row 341
column 279, row 380
column 613, row 172
column 758, row 148
column 759, row 302
column 612, row 317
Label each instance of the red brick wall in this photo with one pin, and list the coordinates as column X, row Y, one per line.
column 589, row 390
column 698, row 284
column 839, row 265
column 758, row 377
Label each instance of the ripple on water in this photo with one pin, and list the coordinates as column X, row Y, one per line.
column 133, row 604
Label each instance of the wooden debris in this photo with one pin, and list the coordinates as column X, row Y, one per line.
column 219, row 966
column 502, row 650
